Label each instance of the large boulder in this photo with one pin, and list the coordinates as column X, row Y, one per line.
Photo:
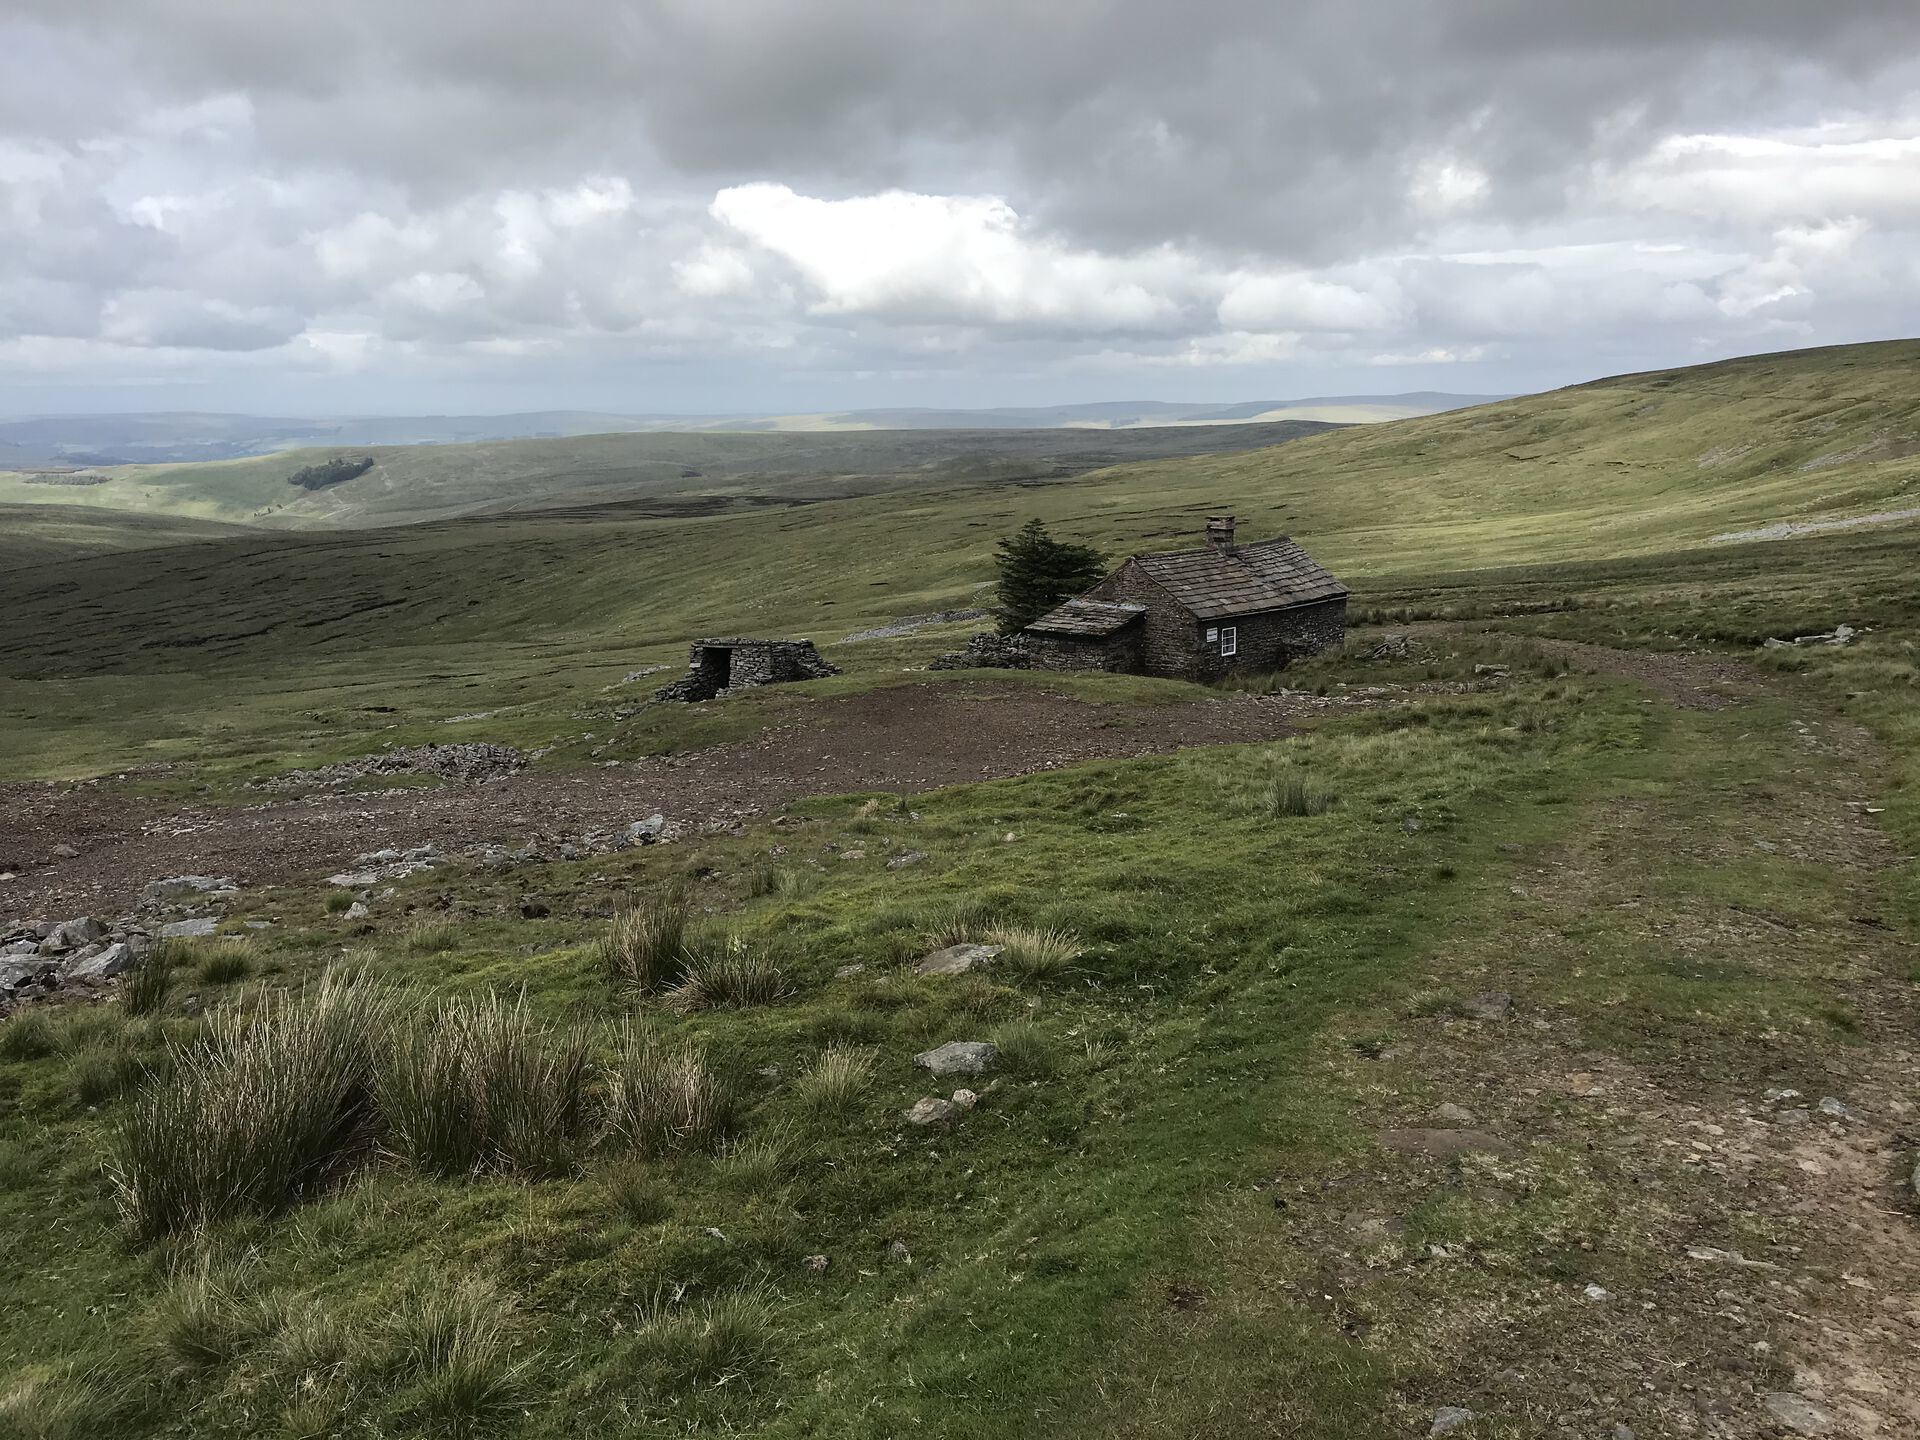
column 103, row 965
column 959, row 1057
column 958, row 959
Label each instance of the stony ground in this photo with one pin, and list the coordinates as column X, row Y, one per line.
column 903, row 739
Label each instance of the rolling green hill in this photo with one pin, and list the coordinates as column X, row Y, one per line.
column 41, row 534
column 691, row 473
column 544, row 609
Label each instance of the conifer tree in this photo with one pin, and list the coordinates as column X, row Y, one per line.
column 1037, row 572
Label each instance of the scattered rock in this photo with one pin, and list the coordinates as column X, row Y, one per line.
column 647, row 831
column 1497, row 671
column 358, row 910
column 468, row 762
column 906, row 858
column 1798, row 1413
column 817, row 1264
column 847, row 972
column 1489, row 1005
column 1831, row 1106
column 958, row 959
column 932, row 1111
column 1447, row 1419
column 1444, row 1144
column 179, row 887
column 959, row 1057
column 1454, row 1114
column 189, row 929
column 1597, row 1293
column 898, row 1252
column 965, row 1099
column 534, row 907
column 115, row 960
column 16, row 974
column 1413, row 824
column 65, row 852
column 72, row 935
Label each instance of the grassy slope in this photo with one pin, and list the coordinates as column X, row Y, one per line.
column 46, row 534
column 412, row 483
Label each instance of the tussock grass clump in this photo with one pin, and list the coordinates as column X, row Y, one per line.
column 645, row 946
column 476, row 1084
column 1033, row 952
column 101, row 1075
column 836, row 1079
column 431, row 937
column 208, row 1319
column 75, row 1404
column 226, row 965
column 1294, row 793
column 664, row 1097
column 267, row 1109
column 145, row 990
column 726, row 971
column 29, row 1035
column 453, row 1348
column 1024, row 1048
column 215, row 961
column 757, row 1164
column 17, row 1169
column 339, row 901
column 638, row 1193
column 960, row 922
column 722, row 1340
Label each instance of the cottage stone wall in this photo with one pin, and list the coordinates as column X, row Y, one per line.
column 1119, row 652
column 1168, row 642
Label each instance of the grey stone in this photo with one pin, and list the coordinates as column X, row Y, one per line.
column 1489, row 1005
column 20, row 947
column 898, row 1252
column 959, row 1057
column 958, row 959
column 112, row 961
column 1412, row 824
column 65, row 852
column 72, row 934
column 645, row 832
column 1798, row 1413
column 16, row 973
column 178, row 887
column 1623, row 1432
column 189, row 929
column 932, row 1111
column 965, row 1099
column 1597, row 1293
column 906, row 858
column 1454, row 1114
column 847, row 972
column 1447, row 1419
column 816, row 1263
column 357, row 910
column 1831, row 1106
column 1444, row 1144
column 1710, row 1255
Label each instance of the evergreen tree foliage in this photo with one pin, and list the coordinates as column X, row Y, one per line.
column 1037, row 572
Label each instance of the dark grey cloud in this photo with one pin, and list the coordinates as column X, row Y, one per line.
column 874, row 186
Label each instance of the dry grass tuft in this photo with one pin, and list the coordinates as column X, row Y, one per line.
column 664, row 1097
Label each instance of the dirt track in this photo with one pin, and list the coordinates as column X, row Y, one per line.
column 907, row 738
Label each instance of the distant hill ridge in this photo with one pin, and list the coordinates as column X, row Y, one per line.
column 176, row 437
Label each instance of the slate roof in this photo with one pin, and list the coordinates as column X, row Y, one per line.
column 1246, row 580
column 1088, row 618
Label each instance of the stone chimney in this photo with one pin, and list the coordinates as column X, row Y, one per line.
column 1220, row 532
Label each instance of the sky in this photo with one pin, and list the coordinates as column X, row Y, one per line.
column 674, row 206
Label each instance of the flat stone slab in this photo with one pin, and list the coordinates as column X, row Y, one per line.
column 177, row 887
column 958, row 959
column 959, row 1057
column 115, row 960
column 1491, row 1005
column 1799, row 1414
column 1444, row 1144
column 189, row 929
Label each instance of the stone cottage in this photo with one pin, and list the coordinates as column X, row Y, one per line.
column 1197, row 614
column 716, row 667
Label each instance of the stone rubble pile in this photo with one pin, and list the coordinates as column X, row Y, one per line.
column 468, row 762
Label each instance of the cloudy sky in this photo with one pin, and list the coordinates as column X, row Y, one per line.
column 712, row 205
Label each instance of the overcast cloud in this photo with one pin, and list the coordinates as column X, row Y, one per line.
column 745, row 205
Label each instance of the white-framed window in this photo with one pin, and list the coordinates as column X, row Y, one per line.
column 1213, row 635
column 1229, row 640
